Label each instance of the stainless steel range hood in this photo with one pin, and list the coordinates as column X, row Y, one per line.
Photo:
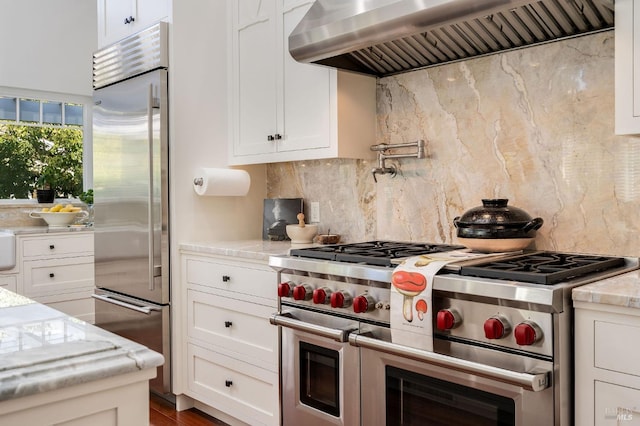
column 385, row 37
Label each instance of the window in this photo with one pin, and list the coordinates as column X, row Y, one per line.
column 42, row 145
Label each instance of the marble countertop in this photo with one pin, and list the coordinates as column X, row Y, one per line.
column 25, row 230
column 42, row 349
column 247, row 249
column 621, row 290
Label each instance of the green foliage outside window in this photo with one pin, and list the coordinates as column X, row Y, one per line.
column 37, row 157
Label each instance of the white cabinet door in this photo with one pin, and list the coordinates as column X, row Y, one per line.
column 616, row 405
column 255, row 57
column 627, row 63
column 307, row 95
column 120, row 18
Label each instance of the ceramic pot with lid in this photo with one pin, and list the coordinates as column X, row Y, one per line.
column 495, row 226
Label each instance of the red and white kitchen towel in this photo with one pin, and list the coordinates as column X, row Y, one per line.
column 411, row 302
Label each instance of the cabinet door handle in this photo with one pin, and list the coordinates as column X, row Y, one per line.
column 129, row 20
column 270, row 138
column 278, row 136
column 226, row 278
column 228, row 324
column 51, row 246
column 228, row 383
column 51, row 275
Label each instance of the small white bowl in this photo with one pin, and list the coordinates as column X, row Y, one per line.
column 302, row 234
column 58, row 219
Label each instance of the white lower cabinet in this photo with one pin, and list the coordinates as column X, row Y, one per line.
column 57, row 269
column 607, row 372
column 9, row 282
column 231, row 352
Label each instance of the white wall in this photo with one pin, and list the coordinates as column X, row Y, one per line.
column 47, row 45
column 198, row 129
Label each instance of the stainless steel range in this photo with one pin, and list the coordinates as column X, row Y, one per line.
column 502, row 336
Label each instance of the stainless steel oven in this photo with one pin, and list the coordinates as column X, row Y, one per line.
column 500, row 346
column 321, row 381
column 406, row 386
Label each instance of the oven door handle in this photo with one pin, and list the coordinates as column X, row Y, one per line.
column 285, row 320
column 533, row 382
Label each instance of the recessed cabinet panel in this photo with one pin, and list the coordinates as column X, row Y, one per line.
column 8, row 282
column 249, row 392
column 59, row 245
column 613, row 350
column 255, row 283
column 57, row 276
column 233, row 325
column 255, row 84
column 627, row 67
column 616, row 405
column 307, row 89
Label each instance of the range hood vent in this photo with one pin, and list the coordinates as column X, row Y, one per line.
column 386, row 37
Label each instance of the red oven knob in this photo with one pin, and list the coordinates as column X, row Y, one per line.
column 284, row 289
column 446, row 319
column 321, row 295
column 363, row 303
column 527, row 333
column 496, row 327
column 340, row 299
column 302, row 292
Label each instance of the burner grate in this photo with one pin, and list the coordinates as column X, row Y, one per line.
column 543, row 267
column 378, row 253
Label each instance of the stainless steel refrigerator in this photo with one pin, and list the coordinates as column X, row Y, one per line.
column 130, row 183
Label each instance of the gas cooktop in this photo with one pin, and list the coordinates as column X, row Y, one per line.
column 379, row 253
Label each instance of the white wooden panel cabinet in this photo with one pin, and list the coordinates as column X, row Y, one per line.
column 120, row 18
column 627, row 67
column 283, row 110
column 607, row 375
column 231, row 357
column 57, row 269
column 9, row 282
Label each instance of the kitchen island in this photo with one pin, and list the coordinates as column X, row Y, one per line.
column 55, row 369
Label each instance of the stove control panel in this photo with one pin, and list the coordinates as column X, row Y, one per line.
column 496, row 325
column 360, row 298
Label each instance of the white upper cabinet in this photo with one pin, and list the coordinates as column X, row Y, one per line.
column 627, row 59
column 283, row 110
column 120, row 18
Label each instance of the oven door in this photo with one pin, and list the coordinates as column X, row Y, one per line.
column 319, row 370
column 406, row 386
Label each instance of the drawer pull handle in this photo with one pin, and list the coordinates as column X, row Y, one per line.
column 228, row 383
column 228, row 324
column 226, row 278
column 51, row 275
column 51, row 246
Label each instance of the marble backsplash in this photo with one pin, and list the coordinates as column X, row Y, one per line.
column 535, row 126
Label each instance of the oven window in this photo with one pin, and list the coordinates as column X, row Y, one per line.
column 319, row 378
column 413, row 399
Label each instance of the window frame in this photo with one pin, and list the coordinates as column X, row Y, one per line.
column 87, row 121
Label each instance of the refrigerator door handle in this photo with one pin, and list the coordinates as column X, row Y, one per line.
column 143, row 309
column 154, row 270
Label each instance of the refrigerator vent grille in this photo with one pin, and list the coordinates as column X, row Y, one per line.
column 132, row 56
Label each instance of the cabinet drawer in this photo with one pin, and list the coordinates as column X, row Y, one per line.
column 58, row 245
column 8, row 282
column 242, row 280
column 614, row 347
column 56, row 276
column 234, row 327
column 241, row 390
column 616, row 405
column 83, row 309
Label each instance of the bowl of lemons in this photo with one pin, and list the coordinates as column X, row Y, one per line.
column 59, row 216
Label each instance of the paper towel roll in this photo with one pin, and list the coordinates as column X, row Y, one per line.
column 221, row 182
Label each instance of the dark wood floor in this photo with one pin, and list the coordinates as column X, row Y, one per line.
column 163, row 413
